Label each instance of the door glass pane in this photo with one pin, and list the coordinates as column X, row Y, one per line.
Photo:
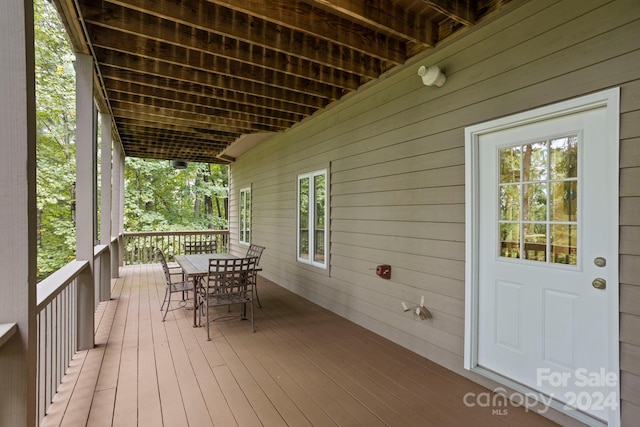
column 534, row 161
column 535, row 242
column 564, row 157
column 303, row 214
column 564, row 201
column 564, row 239
column 534, row 203
column 510, row 164
column 510, row 202
column 538, row 206
column 510, row 240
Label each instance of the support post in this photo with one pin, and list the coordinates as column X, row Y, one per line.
column 118, row 209
column 18, row 213
column 85, row 194
column 105, row 205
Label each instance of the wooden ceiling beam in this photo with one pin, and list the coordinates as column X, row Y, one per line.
column 170, row 110
column 167, row 144
column 463, row 11
column 384, row 16
column 322, row 82
column 138, row 136
column 162, row 152
column 117, row 80
column 302, row 18
column 130, row 21
column 262, row 64
column 168, row 128
column 175, row 100
column 128, row 137
column 157, row 116
column 170, row 70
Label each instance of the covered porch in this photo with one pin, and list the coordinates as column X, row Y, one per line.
column 303, row 366
column 336, row 92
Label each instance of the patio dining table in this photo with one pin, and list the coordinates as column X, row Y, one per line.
column 195, row 267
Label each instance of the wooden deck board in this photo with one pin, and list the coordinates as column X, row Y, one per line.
column 173, row 409
column 303, row 366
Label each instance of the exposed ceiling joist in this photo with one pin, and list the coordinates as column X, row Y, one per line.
column 186, row 79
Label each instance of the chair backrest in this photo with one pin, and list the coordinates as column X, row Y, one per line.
column 165, row 267
column 255, row 251
column 203, row 247
column 232, row 277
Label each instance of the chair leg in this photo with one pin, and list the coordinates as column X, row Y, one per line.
column 255, row 288
column 252, row 324
column 207, row 317
column 164, row 316
column 166, row 291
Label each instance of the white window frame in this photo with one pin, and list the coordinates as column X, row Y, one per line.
column 311, row 219
column 244, row 220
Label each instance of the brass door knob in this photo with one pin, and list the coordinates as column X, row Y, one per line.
column 599, row 283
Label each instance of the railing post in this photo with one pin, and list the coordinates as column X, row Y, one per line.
column 105, row 275
column 85, row 190
column 115, row 258
column 18, row 213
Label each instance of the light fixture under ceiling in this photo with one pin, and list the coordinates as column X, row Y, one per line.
column 179, row 164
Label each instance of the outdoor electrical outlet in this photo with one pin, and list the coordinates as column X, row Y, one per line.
column 384, row 271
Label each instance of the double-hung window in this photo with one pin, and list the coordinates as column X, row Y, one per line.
column 312, row 218
column 244, row 235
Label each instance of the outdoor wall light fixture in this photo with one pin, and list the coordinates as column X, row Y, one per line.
column 178, row 164
column 420, row 310
column 432, row 76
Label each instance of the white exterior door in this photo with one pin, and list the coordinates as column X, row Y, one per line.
column 545, row 266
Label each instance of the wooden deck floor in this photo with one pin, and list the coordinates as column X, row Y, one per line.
column 305, row 366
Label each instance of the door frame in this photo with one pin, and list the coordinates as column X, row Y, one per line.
column 609, row 99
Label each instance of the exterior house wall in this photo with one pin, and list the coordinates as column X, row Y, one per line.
column 395, row 153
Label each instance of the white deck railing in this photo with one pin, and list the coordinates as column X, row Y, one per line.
column 140, row 246
column 56, row 326
column 57, row 300
column 56, row 322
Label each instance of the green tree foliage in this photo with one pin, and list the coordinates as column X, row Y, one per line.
column 55, row 109
column 159, row 197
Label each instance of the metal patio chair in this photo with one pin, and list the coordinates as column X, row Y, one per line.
column 173, row 286
column 256, row 251
column 204, row 247
column 229, row 281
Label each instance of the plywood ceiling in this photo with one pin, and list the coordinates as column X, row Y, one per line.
column 186, row 78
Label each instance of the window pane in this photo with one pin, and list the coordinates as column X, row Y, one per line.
column 534, row 203
column 243, row 200
column 247, row 213
column 303, row 214
column 319, row 216
column 245, row 216
column 510, row 202
column 510, row 164
column 564, row 157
